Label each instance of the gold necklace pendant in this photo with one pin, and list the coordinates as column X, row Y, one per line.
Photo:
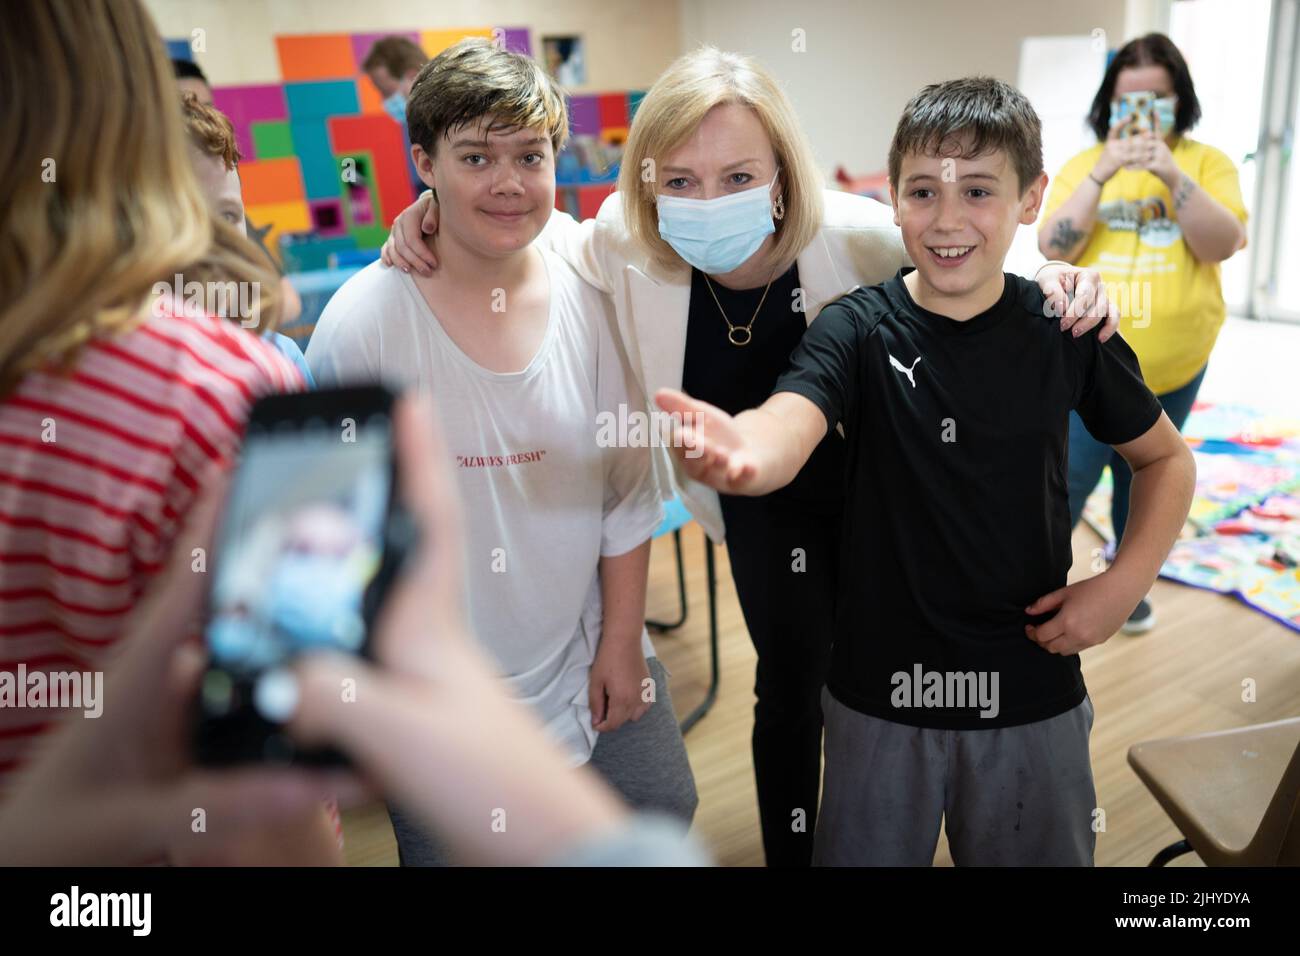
column 739, row 335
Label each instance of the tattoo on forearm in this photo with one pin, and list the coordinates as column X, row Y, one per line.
column 1185, row 189
column 1066, row 236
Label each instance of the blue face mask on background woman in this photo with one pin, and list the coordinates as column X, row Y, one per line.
column 395, row 106
column 1166, row 113
column 717, row 235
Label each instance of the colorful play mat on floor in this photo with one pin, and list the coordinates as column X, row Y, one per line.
column 1243, row 533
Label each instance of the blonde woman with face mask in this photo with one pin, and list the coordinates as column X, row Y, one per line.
column 719, row 248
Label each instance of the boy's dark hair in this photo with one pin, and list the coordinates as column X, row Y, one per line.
column 967, row 118
column 397, row 55
column 1154, row 49
column 188, row 70
column 475, row 78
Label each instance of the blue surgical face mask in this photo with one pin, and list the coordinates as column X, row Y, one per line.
column 1165, row 112
column 717, row 235
column 395, row 106
column 316, row 601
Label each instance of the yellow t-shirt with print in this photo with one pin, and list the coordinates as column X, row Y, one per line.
column 1172, row 302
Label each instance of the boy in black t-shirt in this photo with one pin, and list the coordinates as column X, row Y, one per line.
column 955, row 690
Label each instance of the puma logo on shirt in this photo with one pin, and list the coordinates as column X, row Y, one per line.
column 904, row 369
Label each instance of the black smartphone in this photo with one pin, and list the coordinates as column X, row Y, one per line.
column 311, row 537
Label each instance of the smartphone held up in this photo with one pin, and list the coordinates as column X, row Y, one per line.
column 1143, row 112
column 311, row 537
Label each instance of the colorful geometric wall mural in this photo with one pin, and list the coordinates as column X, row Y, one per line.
column 327, row 169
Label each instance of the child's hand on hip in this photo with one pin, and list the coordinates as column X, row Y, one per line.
column 1087, row 613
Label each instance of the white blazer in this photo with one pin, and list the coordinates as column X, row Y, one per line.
column 858, row 244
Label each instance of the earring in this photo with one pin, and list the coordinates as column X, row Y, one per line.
column 778, row 211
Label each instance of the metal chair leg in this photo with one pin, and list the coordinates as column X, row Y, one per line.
column 660, row 627
column 694, row 716
column 1170, row 852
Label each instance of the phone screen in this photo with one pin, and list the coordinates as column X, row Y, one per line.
column 1150, row 113
column 303, row 539
column 299, row 556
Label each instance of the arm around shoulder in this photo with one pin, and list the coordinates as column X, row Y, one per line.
column 583, row 245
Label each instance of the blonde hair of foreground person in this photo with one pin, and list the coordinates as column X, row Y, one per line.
column 101, row 200
column 669, row 115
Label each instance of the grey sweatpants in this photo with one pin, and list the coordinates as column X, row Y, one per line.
column 644, row 760
column 1009, row 796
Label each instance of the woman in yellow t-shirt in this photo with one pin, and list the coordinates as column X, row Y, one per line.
column 1155, row 213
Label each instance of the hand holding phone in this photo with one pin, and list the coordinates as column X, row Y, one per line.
column 310, row 540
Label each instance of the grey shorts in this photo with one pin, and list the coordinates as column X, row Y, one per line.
column 1008, row 796
column 644, row 760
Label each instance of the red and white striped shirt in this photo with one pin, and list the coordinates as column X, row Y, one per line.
column 98, row 469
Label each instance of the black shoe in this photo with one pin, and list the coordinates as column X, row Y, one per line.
column 1141, row 620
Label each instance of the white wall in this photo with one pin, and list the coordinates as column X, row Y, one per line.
column 628, row 42
column 865, row 58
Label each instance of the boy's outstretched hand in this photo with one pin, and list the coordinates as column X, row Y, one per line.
column 1087, row 613
column 707, row 442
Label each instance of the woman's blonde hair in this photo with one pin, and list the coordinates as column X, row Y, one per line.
column 670, row 113
column 101, row 200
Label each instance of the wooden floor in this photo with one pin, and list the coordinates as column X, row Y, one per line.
column 1183, row 677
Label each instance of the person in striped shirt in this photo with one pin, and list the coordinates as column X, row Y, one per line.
column 118, row 401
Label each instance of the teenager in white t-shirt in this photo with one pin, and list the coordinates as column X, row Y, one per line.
column 522, row 358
